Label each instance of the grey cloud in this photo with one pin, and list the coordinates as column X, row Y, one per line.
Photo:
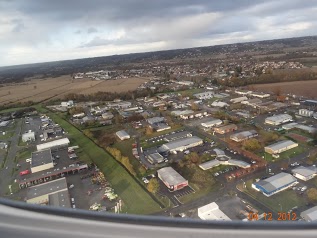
column 91, row 30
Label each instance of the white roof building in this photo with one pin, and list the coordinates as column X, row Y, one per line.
column 304, row 173
column 204, row 95
column 181, row 144
column 29, row 136
column 123, row 135
column 280, row 147
column 211, row 211
column 155, row 120
column 278, row 119
column 219, row 104
column 52, row 144
column 211, row 123
column 239, row 99
column 310, row 215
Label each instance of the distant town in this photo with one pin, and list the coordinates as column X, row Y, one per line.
column 191, row 141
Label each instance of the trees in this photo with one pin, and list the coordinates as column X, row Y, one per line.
column 126, row 163
column 312, row 194
column 251, row 144
column 153, row 185
column 194, row 107
column 193, row 157
column 149, row 130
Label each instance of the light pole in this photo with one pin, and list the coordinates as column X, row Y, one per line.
column 244, row 186
column 10, row 189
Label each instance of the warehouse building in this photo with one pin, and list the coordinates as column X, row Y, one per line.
column 244, row 135
column 311, row 103
column 180, row 145
column 280, row 147
column 304, row 173
column 155, row 120
column 305, row 113
column 275, row 184
column 177, row 136
column 41, row 194
column 211, row 211
column 41, row 160
column 219, row 104
column 53, row 144
column 308, row 129
column 216, row 162
column 161, row 127
column 204, row 95
column 309, row 215
column 155, row 158
column 29, row 136
column 260, row 95
column 239, row 99
column 289, row 126
column 226, row 129
column 211, row 123
column 278, row 119
column 182, row 113
column 4, row 123
column 107, row 116
column 173, row 180
column 123, row 135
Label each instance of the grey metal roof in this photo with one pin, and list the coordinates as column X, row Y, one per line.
column 277, row 181
column 279, row 117
column 177, row 135
column 41, row 158
column 210, row 164
column 310, row 214
column 154, row 120
column 170, row 176
column 156, row 157
column 180, row 143
column 280, row 145
column 305, row 171
column 47, row 188
column 59, row 199
column 243, row 135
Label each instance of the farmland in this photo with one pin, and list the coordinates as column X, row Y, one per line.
column 39, row 90
column 301, row 88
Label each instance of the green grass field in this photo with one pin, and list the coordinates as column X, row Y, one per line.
column 135, row 199
column 11, row 109
column 286, row 154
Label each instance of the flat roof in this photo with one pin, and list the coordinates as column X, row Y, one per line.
column 243, row 134
column 47, row 188
column 4, row 123
column 226, row 127
column 276, row 182
column 171, row 176
column 310, row 214
column 212, row 121
column 155, row 120
column 177, row 135
column 211, row 211
column 41, row 158
column 279, row 117
column 59, row 199
column 209, row 164
column 59, row 142
column 280, row 145
column 180, row 143
column 305, row 171
column 156, row 157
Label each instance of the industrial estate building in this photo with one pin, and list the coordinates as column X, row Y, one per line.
column 280, row 147
column 51, row 193
column 244, row 135
column 226, row 129
column 304, row 173
column 204, row 95
column 305, row 113
column 211, row 123
column 211, row 211
column 180, row 145
column 278, row 119
column 275, row 184
column 41, row 160
column 123, row 135
column 310, row 215
column 173, row 180
column 53, row 144
column 155, row 158
column 29, row 136
column 177, row 136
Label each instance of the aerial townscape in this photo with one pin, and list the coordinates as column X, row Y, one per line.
column 224, row 132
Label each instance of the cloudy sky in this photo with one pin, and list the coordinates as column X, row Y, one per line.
column 48, row 30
